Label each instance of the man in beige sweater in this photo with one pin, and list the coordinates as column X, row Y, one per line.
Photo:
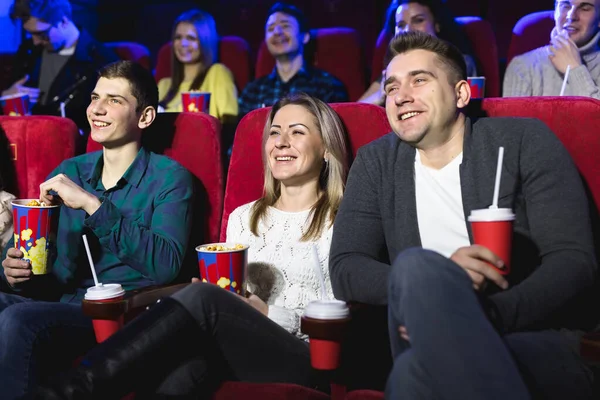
column 574, row 43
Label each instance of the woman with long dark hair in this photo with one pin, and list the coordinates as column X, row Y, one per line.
column 429, row 16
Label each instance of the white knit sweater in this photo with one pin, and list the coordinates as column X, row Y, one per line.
column 281, row 269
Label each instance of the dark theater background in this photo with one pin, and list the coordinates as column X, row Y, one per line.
column 148, row 22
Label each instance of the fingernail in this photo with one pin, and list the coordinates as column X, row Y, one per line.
column 500, row 264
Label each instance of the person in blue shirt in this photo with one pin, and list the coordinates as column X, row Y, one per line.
column 137, row 222
column 286, row 35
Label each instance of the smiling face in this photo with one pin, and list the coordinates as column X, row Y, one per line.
column 112, row 113
column 283, row 36
column 52, row 38
column 294, row 148
column 186, row 44
column 415, row 17
column 421, row 104
column 580, row 19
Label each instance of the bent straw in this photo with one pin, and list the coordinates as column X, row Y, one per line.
column 498, row 176
column 564, row 84
column 89, row 255
column 317, row 265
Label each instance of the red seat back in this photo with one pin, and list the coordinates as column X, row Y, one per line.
column 580, row 139
column 234, row 53
column 131, row 51
column 338, row 51
column 530, row 32
column 364, row 123
column 193, row 140
column 37, row 145
column 483, row 41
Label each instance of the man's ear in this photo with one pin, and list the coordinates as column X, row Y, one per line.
column 147, row 117
column 306, row 38
column 463, row 94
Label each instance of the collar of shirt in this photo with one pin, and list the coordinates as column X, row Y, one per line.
column 302, row 72
column 133, row 175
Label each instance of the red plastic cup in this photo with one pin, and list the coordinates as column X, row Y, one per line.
column 225, row 268
column 110, row 292
column 34, row 229
column 15, row 104
column 325, row 322
column 493, row 228
column 195, row 101
column 477, row 84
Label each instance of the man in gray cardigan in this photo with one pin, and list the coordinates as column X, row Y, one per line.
column 458, row 328
column 574, row 42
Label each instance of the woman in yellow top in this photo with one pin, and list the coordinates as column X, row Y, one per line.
column 194, row 67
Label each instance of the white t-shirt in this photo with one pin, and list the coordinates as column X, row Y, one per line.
column 281, row 269
column 440, row 212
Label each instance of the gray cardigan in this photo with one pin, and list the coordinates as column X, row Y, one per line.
column 553, row 256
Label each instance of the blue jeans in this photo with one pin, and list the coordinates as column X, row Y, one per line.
column 38, row 338
column 454, row 350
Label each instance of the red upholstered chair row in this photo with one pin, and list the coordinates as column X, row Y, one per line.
column 192, row 139
column 530, row 32
column 483, row 41
column 131, row 51
column 338, row 51
column 234, row 53
column 37, row 145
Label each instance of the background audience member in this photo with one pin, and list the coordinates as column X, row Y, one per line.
column 59, row 63
column 195, row 68
column 573, row 44
column 286, row 34
column 429, row 16
column 204, row 334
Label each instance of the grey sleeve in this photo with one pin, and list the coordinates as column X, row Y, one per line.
column 581, row 83
column 358, row 238
column 559, row 223
column 517, row 79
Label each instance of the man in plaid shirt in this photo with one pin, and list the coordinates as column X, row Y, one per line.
column 286, row 33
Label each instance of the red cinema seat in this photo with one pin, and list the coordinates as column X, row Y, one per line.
column 37, row 145
column 131, row 51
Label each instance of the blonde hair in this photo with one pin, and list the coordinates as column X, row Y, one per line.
column 333, row 173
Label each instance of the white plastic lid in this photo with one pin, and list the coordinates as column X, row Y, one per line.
column 491, row 214
column 103, row 292
column 14, row 96
column 326, row 309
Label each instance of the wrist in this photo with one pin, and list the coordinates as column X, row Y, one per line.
column 92, row 205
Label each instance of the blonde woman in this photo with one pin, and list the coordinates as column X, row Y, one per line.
column 194, row 67
column 190, row 343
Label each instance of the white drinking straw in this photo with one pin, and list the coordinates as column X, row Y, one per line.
column 498, row 176
column 564, row 85
column 62, row 109
column 89, row 255
column 318, row 271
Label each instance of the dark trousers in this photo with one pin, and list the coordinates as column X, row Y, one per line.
column 236, row 343
column 38, row 338
column 456, row 353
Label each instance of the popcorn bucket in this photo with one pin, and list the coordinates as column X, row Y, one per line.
column 224, row 265
column 35, row 230
column 15, row 104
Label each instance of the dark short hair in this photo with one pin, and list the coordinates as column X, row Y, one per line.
column 50, row 11
column 448, row 54
column 290, row 10
column 142, row 83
